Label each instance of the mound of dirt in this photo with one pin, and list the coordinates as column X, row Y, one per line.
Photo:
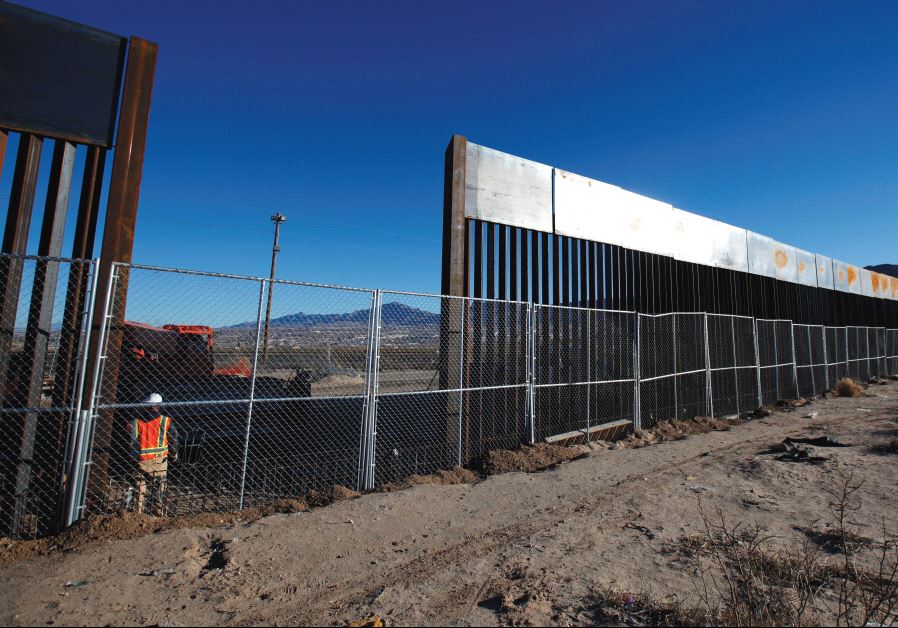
column 335, row 493
column 528, row 458
column 457, row 475
column 675, row 430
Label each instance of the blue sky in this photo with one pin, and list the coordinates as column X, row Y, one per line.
column 778, row 117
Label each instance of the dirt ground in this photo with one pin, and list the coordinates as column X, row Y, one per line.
column 516, row 548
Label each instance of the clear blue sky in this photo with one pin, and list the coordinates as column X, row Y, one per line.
column 781, row 117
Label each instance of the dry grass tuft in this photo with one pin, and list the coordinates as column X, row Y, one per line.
column 847, row 387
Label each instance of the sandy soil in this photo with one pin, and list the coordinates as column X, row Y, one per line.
column 516, row 548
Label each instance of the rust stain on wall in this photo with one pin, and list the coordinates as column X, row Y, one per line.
column 874, row 281
column 841, row 276
column 782, row 260
column 895, row 288
column 802, row 267
column 852, row 275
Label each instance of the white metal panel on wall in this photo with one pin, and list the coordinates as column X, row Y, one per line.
column 593, row 210
column 866, row 282
column 508, row 190
column 730, row 247
column 824, row 272
column 807, row 268
column 840, row 276
column 692, row 238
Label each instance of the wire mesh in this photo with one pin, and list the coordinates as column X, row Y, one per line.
column 583, row 370
column 275, row 389
column 42, row 342
column 732, row 365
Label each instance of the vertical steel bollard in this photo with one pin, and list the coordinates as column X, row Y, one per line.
column 637, row 366
column 758, row 363
column 252, row 392
column 709, row 393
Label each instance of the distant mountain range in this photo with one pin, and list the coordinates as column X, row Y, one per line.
column 886, row 269
column 392, row 314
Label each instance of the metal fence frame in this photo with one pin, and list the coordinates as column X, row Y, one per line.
column 514, row 372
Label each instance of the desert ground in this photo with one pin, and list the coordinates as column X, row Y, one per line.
column 511, row 548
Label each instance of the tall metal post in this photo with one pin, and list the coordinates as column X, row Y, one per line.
column 735, row 365
column 709, row 395
column 675, row 391
column 794, row 362
column 758, row 363
column 252, row 392
column 277, row 219
column 637, row 390
column 530, row 404
column 461, row 378
column 825, row 358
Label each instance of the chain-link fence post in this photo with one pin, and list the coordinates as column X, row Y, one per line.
column 757, row 363
column 825, row 357
column 794, row 361
column 709, row 393
column 637, row 366
column 735, row 364
column 461, row 380
column 76, row 460
column 530, row 402
column 369, row 419
column 676, row 400
column 252, row 389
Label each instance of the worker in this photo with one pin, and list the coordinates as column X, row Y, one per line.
column 153, row 440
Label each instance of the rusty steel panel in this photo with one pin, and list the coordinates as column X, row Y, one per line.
column 770, row 258
column 59, row 78
column 824, row 272
column 881, row 285
column 807, row 268
column 508, row 190
column 593, row 210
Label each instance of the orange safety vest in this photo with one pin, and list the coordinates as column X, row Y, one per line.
column 150, row 438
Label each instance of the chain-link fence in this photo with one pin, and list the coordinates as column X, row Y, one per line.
column 43, row 323
column 266, row 390
column 892, row 352
column 733, row 364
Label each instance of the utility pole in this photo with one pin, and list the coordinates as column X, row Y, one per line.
column 277, row 219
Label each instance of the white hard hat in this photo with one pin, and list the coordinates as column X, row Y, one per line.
column 155, row 398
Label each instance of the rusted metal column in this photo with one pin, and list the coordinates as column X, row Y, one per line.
column 40, row 444
column 118, row 239
column 454, row 283
column 15, row 241
column 76, row 294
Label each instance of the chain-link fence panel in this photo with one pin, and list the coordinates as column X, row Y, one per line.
column 777, row 365
column 858, row 362
column 309, row 396
column 836, row 353
column 495, row 377
column 44, row 321
column 192, row 340
column 691, row 375
column 657, row 367
column 583, row 371
column 892, row 352
column 810, row 363
column 880, row 353
column 420, row 384
column 732, row 365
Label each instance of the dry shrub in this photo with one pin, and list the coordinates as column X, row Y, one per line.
column 748, row 579
column 847, row 387
column 886, row 448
